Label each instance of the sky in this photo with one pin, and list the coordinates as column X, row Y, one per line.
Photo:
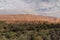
column 36, row 7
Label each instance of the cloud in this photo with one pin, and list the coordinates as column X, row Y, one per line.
column 38, row 7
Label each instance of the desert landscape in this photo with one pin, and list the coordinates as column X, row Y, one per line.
column 29, row 27
column 28, row 18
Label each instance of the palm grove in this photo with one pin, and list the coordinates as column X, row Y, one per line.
column 29, row 31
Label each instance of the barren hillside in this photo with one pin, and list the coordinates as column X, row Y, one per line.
column 28, row 18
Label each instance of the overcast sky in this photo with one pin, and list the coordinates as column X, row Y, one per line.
column 38, row 7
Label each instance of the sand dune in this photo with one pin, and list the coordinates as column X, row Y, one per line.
column 28, row 18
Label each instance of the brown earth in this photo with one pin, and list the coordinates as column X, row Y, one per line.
column 28, row 18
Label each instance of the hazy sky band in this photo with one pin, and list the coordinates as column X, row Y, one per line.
column 42, row 7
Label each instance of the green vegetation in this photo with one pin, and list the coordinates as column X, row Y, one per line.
column 29, row 31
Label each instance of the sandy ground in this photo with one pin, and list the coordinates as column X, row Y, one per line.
column 28, row 18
